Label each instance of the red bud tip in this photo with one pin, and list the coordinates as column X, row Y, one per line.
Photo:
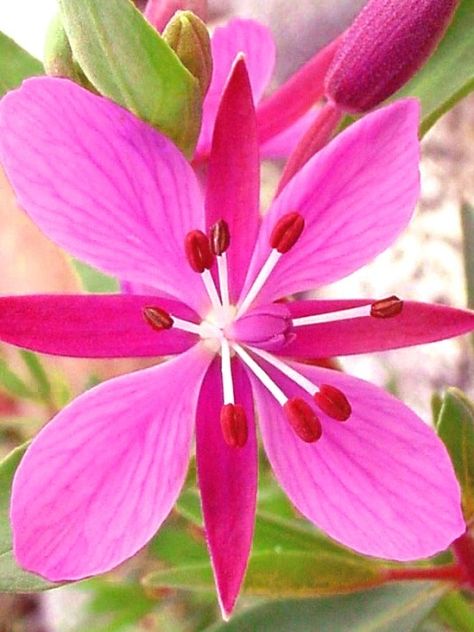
column 303, row 419
column 157, row 318
column 198, row 251
column 219, row 237
column 234, row 425
column 385, row 46
column 333, row 402
column 286, row 232
column 387, row 307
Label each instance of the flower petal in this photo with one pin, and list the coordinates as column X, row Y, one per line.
column 228, row 483
column 255, row 41
column 99, row 480
column 281, row 145
column 356, row 195
column 417, row 324
column 91, row 326
column 102, row 184
column 233, row 185
column 381, row 482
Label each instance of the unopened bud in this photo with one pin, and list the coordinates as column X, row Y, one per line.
column 58, row 58
column 188, row 36
column 385, row 46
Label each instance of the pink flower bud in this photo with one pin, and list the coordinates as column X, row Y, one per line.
column 385, row 46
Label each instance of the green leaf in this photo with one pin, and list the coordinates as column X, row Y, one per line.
column 93, row 280
column 38, row 374
column 126, row 59
column 457, row 612
column 12, row 577
column 467, row 223
column 449, row 75
column 15, row 65
column 456, row 428
column 280, row 574
column 13, row 384
column 398, row 608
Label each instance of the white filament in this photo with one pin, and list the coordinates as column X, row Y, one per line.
column 343, row 314
column 257, row 370
column 226, row 368
column 257, row 285
column 211, row 290
column 287, row 370
column 185, row 325
column 223, row 279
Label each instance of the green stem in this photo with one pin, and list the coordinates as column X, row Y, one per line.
column 456, row 612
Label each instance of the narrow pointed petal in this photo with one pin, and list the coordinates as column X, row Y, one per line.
column 102, row 184
column 233, row 183
column 418, row 323
column 238, row 36
column 98, row 481
column 381, row 482
column 356, row 196
column 281, row 145
column 228, row 483
column 91, row 326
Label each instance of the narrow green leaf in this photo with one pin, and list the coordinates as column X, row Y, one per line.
column 15, row 64
column 93, row 280
column 12, row 577
column 398, row 608
column 13, row 384
column 38, row 374
column 456, row 612
column 467, row 223
column 449, row 75
column 456, row 429
column 280, row 574
column 128, row 61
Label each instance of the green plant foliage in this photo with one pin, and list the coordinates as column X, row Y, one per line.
column 15, row 65
column 397, row 608
column 93, row 280
column 456, row 428
column 127, row 60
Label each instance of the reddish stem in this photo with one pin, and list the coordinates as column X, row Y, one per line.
column 314, row 139
column 463, row 549
column 449, row 572
column 287, row 104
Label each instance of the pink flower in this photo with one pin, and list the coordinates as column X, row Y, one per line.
column 287, row 114
column 98, row 481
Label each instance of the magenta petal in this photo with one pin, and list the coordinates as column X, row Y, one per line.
column 102, row 184
column 281, row 145
column 238, row 36
column 417, row 324
column 380, row 482
column 233, row 183
column 356, row 195
column 98, row 481
column 91, row 326
column 228, row 483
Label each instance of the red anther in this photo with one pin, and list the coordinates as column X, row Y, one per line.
column 303, row 419
column 158, row 318
column 219, row 239
column 198, row 251
column 234, row 425
column 333, row 402
column 387, row 307
column 286, row 232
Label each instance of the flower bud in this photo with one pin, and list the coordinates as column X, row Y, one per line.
column 385, row 46
column 188, row 36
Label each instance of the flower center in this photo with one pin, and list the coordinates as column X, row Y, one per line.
column 254, row 335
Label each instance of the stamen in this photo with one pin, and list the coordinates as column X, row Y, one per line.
column 211, row 290
column 286, row 232
column 219, row 237
column 333, row 402
column 260, row 279
column 198, row 251
column 157, row 318
column 223, row 273
column 227, row 382
column 387, row 307
column 303, row 419
column 265, row 379
column 284, row 236
column 328, row 398
column 234, row 425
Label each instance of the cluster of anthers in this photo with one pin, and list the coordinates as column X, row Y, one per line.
column 219, row 331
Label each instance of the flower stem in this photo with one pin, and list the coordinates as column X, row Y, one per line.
column 449, row 572
column 463, row 549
